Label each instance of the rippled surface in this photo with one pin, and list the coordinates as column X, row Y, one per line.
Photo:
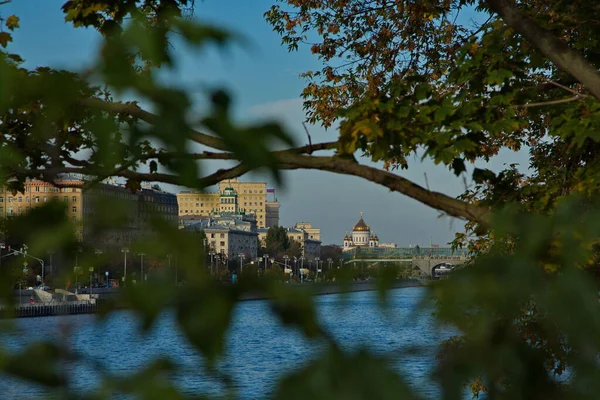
column 259, row 348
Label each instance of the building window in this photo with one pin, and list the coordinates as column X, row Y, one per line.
column 9, row 211
column 26, row 200
column 45, row 199
column 65, row 198
column 37, row 199
column 222, row 244
column 74, row 199
column 74, row 209
column 20, row 199
column 37, row 188
column 222, row 235
column 212, row 235
column 1, row 199
column 10, row 199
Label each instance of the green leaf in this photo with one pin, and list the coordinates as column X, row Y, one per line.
column 153, row 166
column 482, row 175
column 422, row 91
column 458, row 165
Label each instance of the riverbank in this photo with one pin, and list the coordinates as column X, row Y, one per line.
column 25, row 310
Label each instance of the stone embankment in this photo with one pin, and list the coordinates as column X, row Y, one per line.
column 64, row 303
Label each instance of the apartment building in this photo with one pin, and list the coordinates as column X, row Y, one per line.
column 233, row 197
column 84, row 207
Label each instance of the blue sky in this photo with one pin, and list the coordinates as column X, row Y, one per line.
column 263, row 78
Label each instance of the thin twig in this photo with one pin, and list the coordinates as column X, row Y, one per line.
column 549, row 103
column 309, row 140
column 575, row 92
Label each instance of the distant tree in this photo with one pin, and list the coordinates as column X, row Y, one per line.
column 277, row 241
column 203, row 241
column 331, row 251
column 295, row 249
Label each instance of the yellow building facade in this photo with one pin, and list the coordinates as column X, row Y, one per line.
column 82, row 207
column 37, row 193
column 232, row 196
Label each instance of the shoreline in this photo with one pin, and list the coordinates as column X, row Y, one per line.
column 91, row 307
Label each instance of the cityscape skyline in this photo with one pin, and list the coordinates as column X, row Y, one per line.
column 263, row 79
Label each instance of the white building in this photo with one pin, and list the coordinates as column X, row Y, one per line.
column 311, row 246
column 232, row 242
column 313, row 233
column 363, row 236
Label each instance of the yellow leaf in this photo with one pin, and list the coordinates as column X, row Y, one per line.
column 95, row 8
column 4, row 39
column 474, row 47
column 12, row 22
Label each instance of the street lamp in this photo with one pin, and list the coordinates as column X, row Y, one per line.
column 77, row 256
column 124, row 250
column 295, row 264
column 169, row 258
column 51, row 263
column 97, row 252
column 212, row 254
column 241, row 263
column 142, row 266
column 76, row 269
column 23, row 251
column 285, row 258
column 266, row 257
column 317, row 259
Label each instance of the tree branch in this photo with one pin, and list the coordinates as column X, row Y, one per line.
column 555, row 49
column 198, row 137
column 50, row 175
column 291, row 159
column 551, row 102
column 136, row 111
column 439, row 201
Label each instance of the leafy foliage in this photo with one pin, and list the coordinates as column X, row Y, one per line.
column 402, row 78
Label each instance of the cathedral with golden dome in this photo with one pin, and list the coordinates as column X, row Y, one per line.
column 361, row 236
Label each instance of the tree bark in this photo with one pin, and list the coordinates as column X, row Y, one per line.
column 556, row 50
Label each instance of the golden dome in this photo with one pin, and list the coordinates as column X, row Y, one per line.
column 361, row 226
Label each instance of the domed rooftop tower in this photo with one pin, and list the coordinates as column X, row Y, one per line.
column 361, row 232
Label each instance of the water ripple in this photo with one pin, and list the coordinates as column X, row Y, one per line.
column 259, row 348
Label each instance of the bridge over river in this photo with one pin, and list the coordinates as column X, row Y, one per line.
column 427, row 259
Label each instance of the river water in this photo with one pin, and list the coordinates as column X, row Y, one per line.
column 259, row 348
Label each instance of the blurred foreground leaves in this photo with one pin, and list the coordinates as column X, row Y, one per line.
column 526, row 308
